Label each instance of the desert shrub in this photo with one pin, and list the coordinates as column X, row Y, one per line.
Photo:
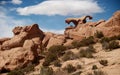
column 88, row 41
column 57, row 63
column 76, row 44
column 79, row 67
column 53, row 53
column 29, row 68
column 91, row 48
column 69, row 68
column 98, row 72
column 103, row 62
column 56, row 49
column 16, row 72
column 98, row 34
column 105, row 39
column 46, row 70
column 22, row 71
column 84, row 42
column 110, row 45
column 69, row 56
column 94, row 67
column 85, row 53
column 113, row 45
column 50, row 57
column 77, row 73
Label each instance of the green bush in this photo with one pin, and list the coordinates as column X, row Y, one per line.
column 50, row 57
column 99, row 72
column 94, row 67
column 69, row 56
column 103, row 62
column 98, row 34
column 105, row 39
column 46, row 70
column 111, row 45
column 69, row 68
column 85, row 53
column 91, row 48
column 16, row 72
column 22, row 71
column 56, row 49
column 84, row 42
column 53, row 53
column 57, row 63
column 79, row 67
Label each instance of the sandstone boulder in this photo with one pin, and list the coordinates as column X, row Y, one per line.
column 46, row 39
column 3, row 40
column 18, row 57
column 16, row 41
column 22, row 34
column 109, row 28
column 56, row 40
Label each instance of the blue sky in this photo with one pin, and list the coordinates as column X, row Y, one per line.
column 50, row 14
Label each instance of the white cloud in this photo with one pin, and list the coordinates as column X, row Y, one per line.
column 62, row 7
column 7, row 23
column 16, row 1
column 53, row 30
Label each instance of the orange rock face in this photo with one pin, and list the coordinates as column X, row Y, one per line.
column 109, row 28
column 21, row 49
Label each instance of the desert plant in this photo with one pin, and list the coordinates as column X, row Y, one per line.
column 105, row 39
column 113, row 44
column 103, row 62
column 57, row 63
column 79, row 66
column 22, row 71
column 77, row 73
column 50, row 57
column 70, row 68
column 94, row 67
column 45, row 70
column 85, row 53
column 76, row 44
column 16, row 72
column 84, row 42
column 98, row 34
column 110, row 45
column 69, row 56
column 57, row 49
column 53, row 53
column 99, row 72
column 91, row 48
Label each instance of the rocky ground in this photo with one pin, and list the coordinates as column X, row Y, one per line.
column 89, row 48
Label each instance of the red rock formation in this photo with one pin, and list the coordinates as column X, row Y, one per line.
column 109, row 28
column 20, row 49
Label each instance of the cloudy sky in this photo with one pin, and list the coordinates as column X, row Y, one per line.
column 50, row 14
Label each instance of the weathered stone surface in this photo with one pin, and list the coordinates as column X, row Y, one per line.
column 21, row 49
column 17, row 57
column 56, row 40
column 16, row 41
column 46, row 39
column 109, row 28
column 3, row 40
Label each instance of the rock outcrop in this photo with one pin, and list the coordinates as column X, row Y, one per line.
column 23, row 47
column 56, row 40
column 109, row 28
